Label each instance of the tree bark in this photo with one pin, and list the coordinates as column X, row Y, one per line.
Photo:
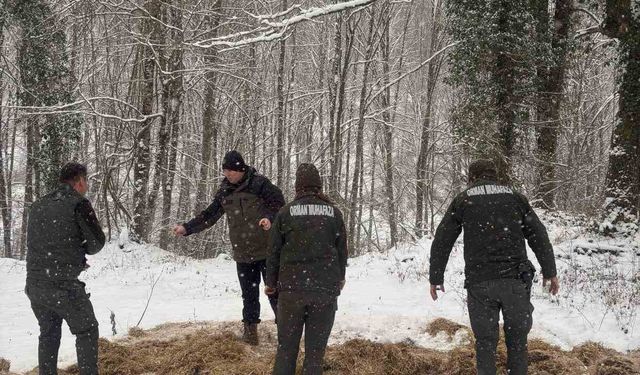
column 388, row 130
column 422, row 165
column 4, row 198
column 209, row 126
column 280, row 128
column 176, row 93
column 623, row 177
column 357, row 175
column 504, row 73
column 142, row 155
column 551, row 96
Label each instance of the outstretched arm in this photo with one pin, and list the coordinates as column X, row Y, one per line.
column 206, row 218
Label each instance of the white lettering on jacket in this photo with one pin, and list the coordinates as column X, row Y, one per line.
column 311, row 210
column 488, row 190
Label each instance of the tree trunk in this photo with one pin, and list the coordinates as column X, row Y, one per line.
column 505, row 74
column 176, row 93
column 333, row 85
column 4, row 198
column 339, row 77
column 142, row 155
column 159, row 168
column 280, row 132
column 388, row 130
column 209, row 126
column 46, row 81
column 28, row 185
column 551, row 95
column 422, row 165
column 623, row 177
column 355, row 185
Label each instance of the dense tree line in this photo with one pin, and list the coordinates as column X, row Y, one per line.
column 390, row 99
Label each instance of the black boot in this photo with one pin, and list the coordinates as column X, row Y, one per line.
column 250, row 333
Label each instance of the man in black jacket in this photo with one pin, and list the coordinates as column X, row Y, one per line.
column 307, row 268
column 62, row 230
column 251, row 202
column 496, row 221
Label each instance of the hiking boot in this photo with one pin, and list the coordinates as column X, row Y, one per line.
column 250, row 333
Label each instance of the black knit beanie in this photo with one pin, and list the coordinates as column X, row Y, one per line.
column 234, row 161
column 308, row 178
column 482, row 169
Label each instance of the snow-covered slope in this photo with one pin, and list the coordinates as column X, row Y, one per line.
column 385, row 298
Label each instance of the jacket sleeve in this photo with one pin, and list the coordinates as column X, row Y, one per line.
column 92, row 233
column 273, row 199
column 273, row 261
column 341, row 245
column 446, row 235
column 538, row 239
column 208, row 217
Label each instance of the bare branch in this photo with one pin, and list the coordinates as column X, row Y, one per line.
column 274, row 30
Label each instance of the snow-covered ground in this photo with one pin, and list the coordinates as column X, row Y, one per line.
column 385, row 298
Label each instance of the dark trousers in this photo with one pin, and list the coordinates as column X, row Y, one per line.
column 249, row 276
column 314, row 312
column 485, row 301
column 52, row 302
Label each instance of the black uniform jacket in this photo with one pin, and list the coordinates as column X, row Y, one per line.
column 62, row 229
column 245, row 204
column 308, row 247
column 496, row 221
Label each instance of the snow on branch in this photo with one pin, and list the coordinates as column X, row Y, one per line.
column 270, row 29
column 75, row 107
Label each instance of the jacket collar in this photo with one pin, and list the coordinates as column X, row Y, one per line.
column 483, row 182
column 65, row 189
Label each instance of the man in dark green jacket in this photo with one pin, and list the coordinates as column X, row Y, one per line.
column 307, row 268
column 62, row 230
column 250, row 202
column 496, row 221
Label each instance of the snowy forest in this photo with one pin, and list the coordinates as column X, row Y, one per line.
column 390, row 99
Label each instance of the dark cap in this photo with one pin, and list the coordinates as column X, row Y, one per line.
column 234, row 161
column 308, row 177
column 482, row 169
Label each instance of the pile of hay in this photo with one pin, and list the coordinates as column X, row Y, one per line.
column 216, row 349
column 5, row 365
column 447, row 326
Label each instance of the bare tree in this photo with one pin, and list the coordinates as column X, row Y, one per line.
column 148, row 62
column 623, row 177
column 551, row 94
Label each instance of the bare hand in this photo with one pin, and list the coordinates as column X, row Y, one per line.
column 265, row 223
column 554, row 285
column 434, row 291
column 269, row 290
column 179, row 230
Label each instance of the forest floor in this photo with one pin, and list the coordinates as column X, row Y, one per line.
column 185, row 312
column 215, row 348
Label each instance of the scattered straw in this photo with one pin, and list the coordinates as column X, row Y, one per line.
column 136, row 332
column 444, row 325
column 616, row 366
column 5, row 365
column 208, row 349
